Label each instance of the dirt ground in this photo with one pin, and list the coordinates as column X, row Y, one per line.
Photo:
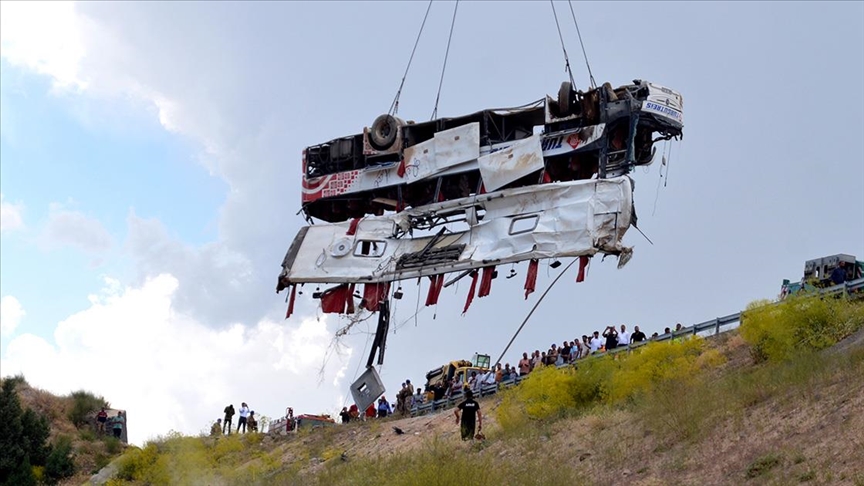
column 813, row 437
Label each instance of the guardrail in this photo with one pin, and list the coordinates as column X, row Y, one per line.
column 852, row 288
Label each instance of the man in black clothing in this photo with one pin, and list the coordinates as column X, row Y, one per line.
column 611, row 336
column 838, row 275
column 637, row 336
column 229, row 414
column 470, row 412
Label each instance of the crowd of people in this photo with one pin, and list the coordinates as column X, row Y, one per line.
column 468, row 411
column 246, row 421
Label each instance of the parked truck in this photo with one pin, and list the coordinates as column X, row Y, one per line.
column 817, row 273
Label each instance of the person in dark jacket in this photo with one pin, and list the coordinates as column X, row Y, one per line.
column 838, row 275
column 229, row 415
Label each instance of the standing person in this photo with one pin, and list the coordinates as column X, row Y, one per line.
column 611, row 336
column 253, row 424
column 229, row 415
column 470, row 413
column 384, row 408
column 596, row 343
column 101, row 418
column 370, row 412
column 566, row 350
column 637, row 336
column 117, row 425
column 400, row 399
column 216, row 429
column 838, row 275
column 244, row 414
column 623, row 336
column 344, row 415
column 524, row 365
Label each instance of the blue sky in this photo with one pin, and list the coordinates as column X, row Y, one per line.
column 56, row 151
column 152, row 152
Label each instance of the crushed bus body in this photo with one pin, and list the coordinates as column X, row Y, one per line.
column 466, row 194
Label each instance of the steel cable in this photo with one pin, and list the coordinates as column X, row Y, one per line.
column 394, row 107
column 590, row 75
column 446, row 55
column 561, row 36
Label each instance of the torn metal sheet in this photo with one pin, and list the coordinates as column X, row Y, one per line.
column 519, row 160
column 446, row 149
column 366, row 389
column 553, row 220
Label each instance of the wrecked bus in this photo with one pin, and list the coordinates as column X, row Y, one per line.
column 394, row 164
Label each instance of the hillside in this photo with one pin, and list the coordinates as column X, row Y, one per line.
column 75, row 452
column 766, row 405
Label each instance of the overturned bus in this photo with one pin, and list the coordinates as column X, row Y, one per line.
column 395, row 164
column 405, row 200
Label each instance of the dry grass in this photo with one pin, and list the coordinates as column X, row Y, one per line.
column 91, row 452
column 790, row 422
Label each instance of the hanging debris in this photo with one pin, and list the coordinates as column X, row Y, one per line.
column 408, row 200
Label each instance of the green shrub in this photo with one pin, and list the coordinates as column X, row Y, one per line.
column 550, row 392
column 60, row 463
column 135, row 462
column 83, row 404
column 762, row 465
column 87, row 435
column 807, row 476
column 798, row 324
column 35, row 431
column 113, row 445
column 649, row 366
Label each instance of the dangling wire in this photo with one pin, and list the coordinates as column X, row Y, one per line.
column 444, row 67
column 561, row 36
column 668, row 164
column 394, row 107
column 590, row 75
column 660, row 173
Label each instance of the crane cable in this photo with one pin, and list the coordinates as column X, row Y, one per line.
column 590, row 75
column 444, row 67
column 394, row 107
column 561, row 37
column 535, row 308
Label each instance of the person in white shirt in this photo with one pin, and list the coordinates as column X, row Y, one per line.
column 489, row 379
column 244, row 414
column 623, row 336
column 596, row 342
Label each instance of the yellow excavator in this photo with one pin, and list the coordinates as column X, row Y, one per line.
column 460, row 370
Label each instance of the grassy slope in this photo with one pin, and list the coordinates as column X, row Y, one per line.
column 784, row 421
column 91, row 453
column 798, row 421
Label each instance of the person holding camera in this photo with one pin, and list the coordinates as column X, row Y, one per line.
column 611, row 336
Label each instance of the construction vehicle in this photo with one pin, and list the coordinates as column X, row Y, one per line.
column 817, row 274
column 459, row 370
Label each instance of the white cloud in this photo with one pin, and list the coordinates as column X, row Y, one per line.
column 45, row 37
column 10, row 215
column 11, row 313
column 170, row 371
column 75, row 229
